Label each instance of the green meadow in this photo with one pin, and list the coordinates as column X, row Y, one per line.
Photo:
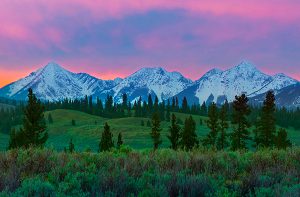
column 86, row 132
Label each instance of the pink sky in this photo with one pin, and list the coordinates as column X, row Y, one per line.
column 115, row 38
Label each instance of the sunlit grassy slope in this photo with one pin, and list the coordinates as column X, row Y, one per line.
column 87, row 131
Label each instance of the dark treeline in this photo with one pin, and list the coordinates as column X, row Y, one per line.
column 12, row 116
column 9, row 117
column 141, row 108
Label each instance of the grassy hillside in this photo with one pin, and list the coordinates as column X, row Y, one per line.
column 87, row 131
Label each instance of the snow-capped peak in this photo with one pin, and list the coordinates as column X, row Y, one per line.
column 53, row 65
column 245, row 64
column 152, row 80
column 216, row 85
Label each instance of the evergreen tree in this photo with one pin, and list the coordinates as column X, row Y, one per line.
column 173, row 104
column 144, row 109
column 50, row 119
column 129, row 109
column 138, row 108
column 201, row 121
column 34, row 126
column 71, row 146
column 222, row 141
column 176, row 104
column 185, row 106
column 174, row 135
column 281, row 141
column 168, row 111
column 212, row 124
column 73, row 122
column 148, row 123
column 13, row 141
column 120, row 141
column 189, row 136
column 125, row 101
column 99, row 107
column 203, row 109
column 266, row 125
column 86, row 104
column 155, row 132
column 142, row 123
column 150, row 104
column 155, row 106
column 106, row 142
column 239, row 120
column 226, row 106
column 109, row 108
column 91, row 108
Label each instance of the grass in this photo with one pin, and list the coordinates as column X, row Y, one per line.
column 86, row 133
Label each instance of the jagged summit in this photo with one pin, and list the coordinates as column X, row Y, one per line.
column 152, row 80
column 217, row 86
column 244, row 66
column 52, row 66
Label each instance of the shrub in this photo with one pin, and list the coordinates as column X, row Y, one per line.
column 165, row 172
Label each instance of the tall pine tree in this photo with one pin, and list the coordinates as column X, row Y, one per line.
column 185, row 106
column 34, row 126
column 240, row 133
column 266, row 126
column 120, row 141
column 188, row 135
column 71, row 146
column 212, row 124
column 106, row 142
column 281, row 141
column 155, row 132
column 168, row 115
column 222, row 141
column 174, row 135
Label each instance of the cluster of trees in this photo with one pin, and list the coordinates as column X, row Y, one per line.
column 141, row 108
column 107, row 109
column 10, row 116
column 265, row 132
column 106, row 141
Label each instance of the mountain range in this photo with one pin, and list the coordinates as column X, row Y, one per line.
column 52, row 82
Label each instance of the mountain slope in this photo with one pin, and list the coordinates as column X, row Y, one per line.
column 53, row 82
column 217, row 85
column 288, row 97
column 155, row 81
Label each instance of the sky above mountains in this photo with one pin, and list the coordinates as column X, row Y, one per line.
column 115, row 38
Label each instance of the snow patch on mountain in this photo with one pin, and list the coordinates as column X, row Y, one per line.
column 52, row 82
column 217, row 85
column 156, row 81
